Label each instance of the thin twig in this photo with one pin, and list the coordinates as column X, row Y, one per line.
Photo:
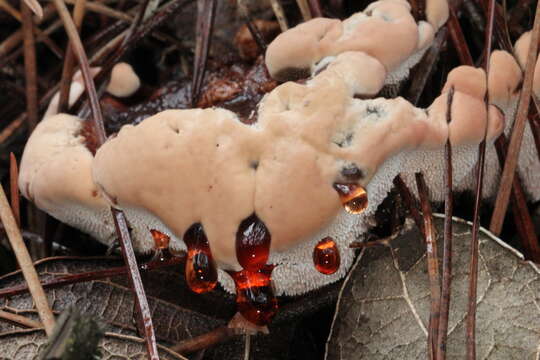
column 206, row 14
column 35, row 7
column 15, row 39
column 520, row 214
column 473, row 266
column 14, row 188
column 69, row 62
column 19, row 319
column 426, row 67
column 316, row 9
column 447, row 242
column 10, row 10
column 503, row 195
column 205, row 341
column 91, row 275
column 136, row 22
column 39, row 34
column 458, row 39
column 30, row 67
column 136, row 282
column 25, row 262
column 280, row 15
column 304, row 9
column 432, row 265
column 410, row 202
column 252, row 27
column 97, row 118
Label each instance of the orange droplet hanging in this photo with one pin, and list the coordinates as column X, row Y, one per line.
column 353, row 197
column 255, row 297
column 326, row 256
column 200, row 270
column 252, row 243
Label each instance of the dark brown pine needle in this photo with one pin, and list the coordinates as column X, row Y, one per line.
column 316, row 9
column 253, row 29
column 69, row 62
column 447, row 243
column 14, row 188
column 432, row 265
column 473, row 266
column 204, row 341
column 136, row 283
column 75, row 40
column 91, row 275
column 206, row 15
column 505, row 187
column 410, row 202
column 30, row 69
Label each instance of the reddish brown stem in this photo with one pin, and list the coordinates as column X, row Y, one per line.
column 447, row 242
column 315, row 6
column 505, row 187
column 212, row 338
column 205, row 22
column 458, row 39
column 522, row 218
column 30, row 66
column 97, row 117
column 69, row 62
column 405, row 194
column 473, row 270
column 432, row 265
column 91, row 275
column 14, row 188
column 136, row 282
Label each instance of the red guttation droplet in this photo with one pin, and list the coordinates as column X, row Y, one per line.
column 353, row 197
column 252, row 243
column 326, row 256
column 161, row 240
column 255, row 297
column 200, row 271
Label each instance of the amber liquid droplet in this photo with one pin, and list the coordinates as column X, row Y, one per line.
column 252, row 243
column 200, row 271
column 161, row 240
column 255, row 297
column 353, row 197
column 326, row 256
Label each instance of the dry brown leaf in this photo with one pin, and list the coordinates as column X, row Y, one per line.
column 178, row 314
column 112, row 301
column 24, row 345
column 383, row 309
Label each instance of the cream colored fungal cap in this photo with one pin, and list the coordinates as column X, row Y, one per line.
column 437, row 12
column 124, row 82
column 504, row 78
column 75, row 90
column 362, row 74
column 521, row 50
column 385, row 30
column 55, row 173
column 205, row 166
column 293, row 53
